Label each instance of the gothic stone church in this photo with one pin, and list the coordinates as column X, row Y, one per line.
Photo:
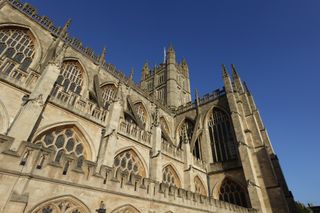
column 78, row 136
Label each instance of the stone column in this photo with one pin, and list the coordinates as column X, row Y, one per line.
column 30, row 112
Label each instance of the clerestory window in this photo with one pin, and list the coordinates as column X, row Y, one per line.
column 109, row 93
column 71, row 77
column 17, row 51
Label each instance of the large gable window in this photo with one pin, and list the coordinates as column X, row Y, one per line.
column 221, row 136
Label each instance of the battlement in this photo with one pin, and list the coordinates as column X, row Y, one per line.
column 203, row 100
column 37, row 162
column 76, row 44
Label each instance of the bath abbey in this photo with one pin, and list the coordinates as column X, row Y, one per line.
column 79, row 136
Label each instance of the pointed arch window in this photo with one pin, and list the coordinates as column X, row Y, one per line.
column 185, row 132
column 130, row 162
column 141, row 112
column 17, row 50
column 61, row 205
column 222, row 137
column 232, row 192
column 126, row 209
column 64, row 140
column 109, row 93
column 169, row 176
column 71, row 77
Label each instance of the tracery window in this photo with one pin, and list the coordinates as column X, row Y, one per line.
column 16, row 51
column 233, row 193
column 170, row 177
column 63, row 140
column 71, row 77
column 185, row 132
column 199, row 187
column 61, row 205
column 221, row 136
column 130, row 162
column 126, row 209
column 141, row 111
column 109, row 92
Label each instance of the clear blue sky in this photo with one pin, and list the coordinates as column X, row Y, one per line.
column 275, row 45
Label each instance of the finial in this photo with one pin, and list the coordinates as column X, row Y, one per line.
column 197, row 94
column 170, row 48
column 131, row 74
column 183, row 61
column 224, row 71
column 234, row 71
column 66, row 26
column 145, row 67
column 197, row 100
column 102, row 58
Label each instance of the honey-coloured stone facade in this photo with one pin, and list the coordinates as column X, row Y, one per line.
column 79, row 136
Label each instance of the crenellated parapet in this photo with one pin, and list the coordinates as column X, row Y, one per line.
column 209, row 97
column 27, row 80
column 34, row 162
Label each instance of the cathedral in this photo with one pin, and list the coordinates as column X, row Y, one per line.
column 79, row 136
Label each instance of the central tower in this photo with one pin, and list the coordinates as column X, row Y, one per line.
column 168, row 82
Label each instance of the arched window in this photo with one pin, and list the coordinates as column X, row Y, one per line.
column 221, row 136
column 129, row 161
column 71, row 77
column 185, row 132
column 16, row 51
column 61, row 205
column 141, row 111
column 64, row 140
column 126, row 209
column 170, row 176
column 199, row 187
column 232, row 192
column 109, row 93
